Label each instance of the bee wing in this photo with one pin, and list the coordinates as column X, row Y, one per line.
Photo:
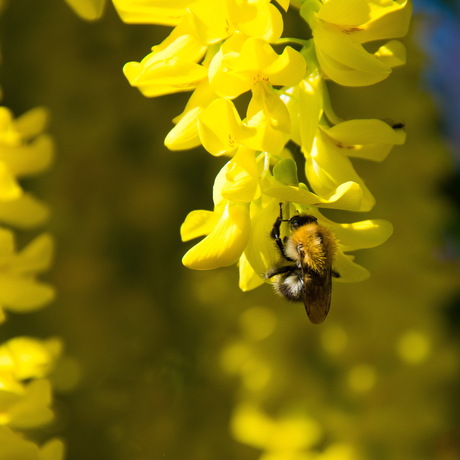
column 317, row 295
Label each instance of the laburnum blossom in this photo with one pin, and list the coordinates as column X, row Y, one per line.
column 221, row 50
column 340, row 28
column 20, row 291
column 25, row 392
column 15, row 446
column 291, row 435
column 24, row 150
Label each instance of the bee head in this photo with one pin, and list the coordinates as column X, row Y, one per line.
column 301, row 220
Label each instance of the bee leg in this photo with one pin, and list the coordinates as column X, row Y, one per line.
column 335, row 274
column 280, row 270
column 275, row 234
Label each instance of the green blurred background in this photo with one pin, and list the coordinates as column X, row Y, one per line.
column 157, row 357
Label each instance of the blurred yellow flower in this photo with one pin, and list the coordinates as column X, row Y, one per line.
column 19, row 290
column 15, row 447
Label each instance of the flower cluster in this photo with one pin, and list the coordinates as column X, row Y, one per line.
column 25, row 363
column 222, row 50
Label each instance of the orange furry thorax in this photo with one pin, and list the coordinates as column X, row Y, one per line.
column 312, row 245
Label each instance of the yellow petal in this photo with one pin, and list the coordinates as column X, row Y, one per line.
column 219, row 127
column 198, row 223
column 362, row 235
column 326, row 168
column 185, row 134
column 165, row 12
column 288, row 69
column 28, row 159
column 32, row 123
column 88, row 9
column 350, row 272
column 346, row 62
column 9, row 188
column 269, row 118
column 261, row 252
column 242, row 177
column 369, row 139
column 25, row 212
column 226, row 242
column 393, row 53
column 171, row 67
column 22, row 294
column 52, row 450
column 249, row 279
column 261, row 19
column 35, row 257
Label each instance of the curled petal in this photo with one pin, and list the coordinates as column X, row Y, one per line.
column 346, row 62
column 185, row 134
column 393, row 53
column 369, row 139
column 242, row 177
column 364, row 234
column 198, row 223
column 327, row 168
column 350, row 272
column 260, row 251
column 347, row 196
column 226, row 242
column 249, row 279
column 170, row 68
column 22, row 294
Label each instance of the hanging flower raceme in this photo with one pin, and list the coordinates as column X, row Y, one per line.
column 223, row 49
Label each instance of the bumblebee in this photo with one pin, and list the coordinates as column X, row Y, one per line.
column 304, row 272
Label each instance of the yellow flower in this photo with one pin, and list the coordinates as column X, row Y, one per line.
column 26, row 405
column 170, row 68
column 267, row 126
column 24, row 151
column 216, row 20
column 19, row 290
column 212, row 20
column 26, row 358
column 185, row 134
column 227, row 230
column 327, row 149
column 15, row 447
column 289, row 433
column 340, row 28
column 243, row 62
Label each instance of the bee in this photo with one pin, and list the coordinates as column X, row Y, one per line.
column 304, row 272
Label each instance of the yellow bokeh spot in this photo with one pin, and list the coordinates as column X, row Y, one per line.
column 234, row 356
column 255, row 375
column 361, row 377
column 257, row 323
column 334, row 339
column 413, row 347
